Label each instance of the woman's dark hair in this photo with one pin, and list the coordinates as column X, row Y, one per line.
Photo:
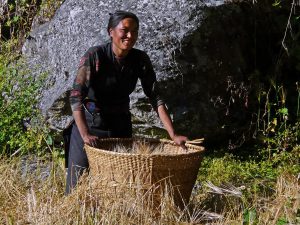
column 119, row 15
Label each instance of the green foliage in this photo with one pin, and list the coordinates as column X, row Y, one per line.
column 275, row 129
column 256, row 174
column 17, row 18
column 20, row 90
column 256, row 177
column 277, row 89
column 230, row 169
column 19, row 96
column 19, row 15
column 250, row 217
column 48, row 8
column 276, row 3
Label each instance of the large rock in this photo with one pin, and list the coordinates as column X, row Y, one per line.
column 202, row 52
column 55, row 47
column 3, row 4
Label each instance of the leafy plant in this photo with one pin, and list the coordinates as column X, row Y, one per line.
column 19, row 96
column 20, row 90
column 250, row 217
column 278, row 132
column 18, row 16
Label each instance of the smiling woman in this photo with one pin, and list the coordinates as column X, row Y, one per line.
column 106, row 76
column 124, row 36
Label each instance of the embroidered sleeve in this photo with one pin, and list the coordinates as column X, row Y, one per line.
column 149, row 83
column 80, row 86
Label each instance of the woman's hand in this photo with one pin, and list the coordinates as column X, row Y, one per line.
column 80, row 121
column 90, row 140
column 180, row 140
column 166, row 120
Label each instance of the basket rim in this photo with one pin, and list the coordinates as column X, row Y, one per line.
column 196, row 149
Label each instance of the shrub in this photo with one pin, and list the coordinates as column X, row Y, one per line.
column 19, row 96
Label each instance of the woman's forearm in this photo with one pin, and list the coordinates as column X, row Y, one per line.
column 80, row 121
column 166, row 120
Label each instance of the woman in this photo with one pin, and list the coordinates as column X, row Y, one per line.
column 107, row 75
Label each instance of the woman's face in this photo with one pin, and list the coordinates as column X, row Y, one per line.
column 124, row 36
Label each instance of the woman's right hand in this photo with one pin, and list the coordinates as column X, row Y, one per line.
column 80, row 121
column 90, row 140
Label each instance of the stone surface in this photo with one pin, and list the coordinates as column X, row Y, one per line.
column 56, row 47
column 202, row 52
column 3, row 4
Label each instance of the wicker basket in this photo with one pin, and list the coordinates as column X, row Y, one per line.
column 178, row 166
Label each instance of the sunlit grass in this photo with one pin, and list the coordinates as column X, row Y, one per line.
column 32, row 192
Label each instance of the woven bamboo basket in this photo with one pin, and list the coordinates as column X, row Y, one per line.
column 173, row 165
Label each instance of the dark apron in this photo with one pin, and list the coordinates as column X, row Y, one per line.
column 102, row 125
column 106, row 125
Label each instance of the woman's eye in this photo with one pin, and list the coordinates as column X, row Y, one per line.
column 125, row 31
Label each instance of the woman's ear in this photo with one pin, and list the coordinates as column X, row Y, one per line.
column 110, row 32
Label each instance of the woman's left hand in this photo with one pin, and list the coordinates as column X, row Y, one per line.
column 180, row 140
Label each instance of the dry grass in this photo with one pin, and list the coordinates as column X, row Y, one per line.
column 285, row 204
column 25, row 188
column 139, row 147
column 33, row 198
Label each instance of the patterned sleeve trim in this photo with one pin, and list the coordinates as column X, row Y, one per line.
column 80, row 86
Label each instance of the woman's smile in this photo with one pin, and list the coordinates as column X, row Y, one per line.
column 124, row 36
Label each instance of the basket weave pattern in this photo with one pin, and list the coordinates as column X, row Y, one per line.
column 179, row 166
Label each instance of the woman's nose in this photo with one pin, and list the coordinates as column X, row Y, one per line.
column 129, row 34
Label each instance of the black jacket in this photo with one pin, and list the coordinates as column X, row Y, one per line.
column 108, row 82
